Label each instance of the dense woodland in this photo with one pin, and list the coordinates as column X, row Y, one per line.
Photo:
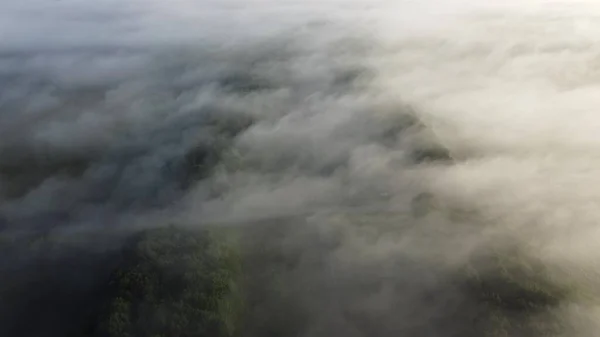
column 260, row 279
column 181, row 282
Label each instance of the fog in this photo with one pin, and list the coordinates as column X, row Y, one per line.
column 313, row 117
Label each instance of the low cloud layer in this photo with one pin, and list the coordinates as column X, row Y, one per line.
column 321, row 118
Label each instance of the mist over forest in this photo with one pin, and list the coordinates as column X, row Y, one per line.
column 280, row 168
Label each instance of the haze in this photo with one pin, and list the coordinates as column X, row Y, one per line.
column 102, row 101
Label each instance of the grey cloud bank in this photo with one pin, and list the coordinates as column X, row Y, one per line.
column 128, row 114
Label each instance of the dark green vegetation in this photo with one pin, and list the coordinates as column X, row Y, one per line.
column 174, row 283
column 518, row 294
column 219, row 132
column 264, row 280
column 271, row 279
column 163, row 282
column 502, row 289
